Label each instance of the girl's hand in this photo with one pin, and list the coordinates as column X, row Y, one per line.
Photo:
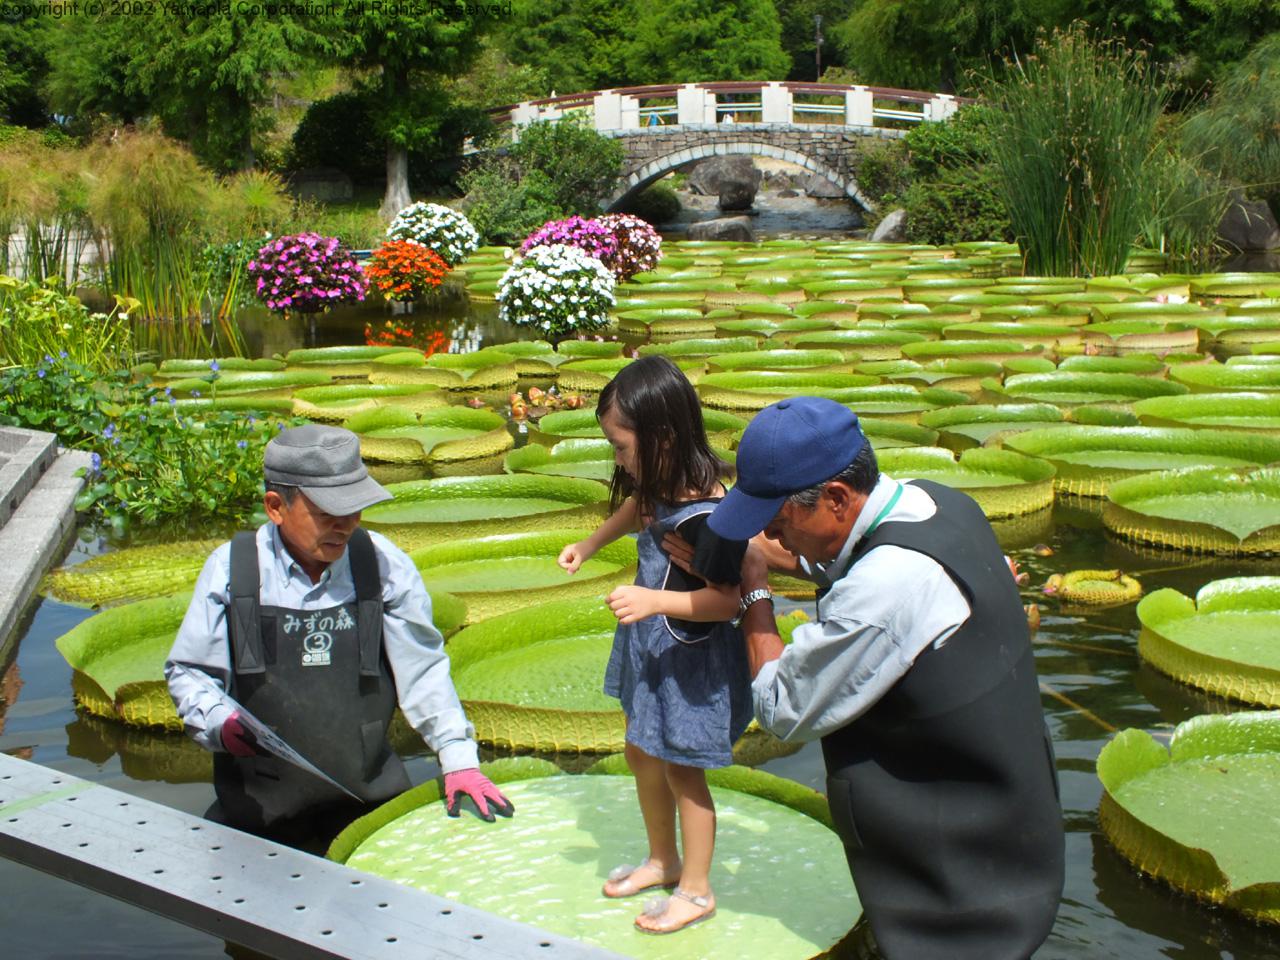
column 631, row 603
column 572, row 557
column 679, row 550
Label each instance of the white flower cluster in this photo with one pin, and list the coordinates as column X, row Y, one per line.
column 557, row 289
column 440, row 228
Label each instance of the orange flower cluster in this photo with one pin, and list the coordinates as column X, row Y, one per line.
column 404, row 270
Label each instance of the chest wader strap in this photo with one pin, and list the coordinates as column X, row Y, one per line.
column 364, row 574
column 245, row 625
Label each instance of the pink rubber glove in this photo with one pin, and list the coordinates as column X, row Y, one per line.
column 479, row 788
column 236, row 740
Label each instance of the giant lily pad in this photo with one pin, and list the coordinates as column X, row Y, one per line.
column 781, row 884
column 495, row 575
column 1226, row 641
column 1088, row 459
column 779, row 360
column 1003, row 483
column 1201, row 510
column 583, row 423
column 429, row 511
column 336, row 402
column 755, row 391
column 1258, row 378
column 132, row 574
column 576, row 457
column 1236, row 411
column 1066, row 387
column 271, row 382
column 978, row 424
column 393, row 434
column 1195, row 815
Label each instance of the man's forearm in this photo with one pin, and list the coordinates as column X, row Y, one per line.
column 763, row 641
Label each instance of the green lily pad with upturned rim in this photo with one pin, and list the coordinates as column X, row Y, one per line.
column 498, row 574
column 135, row 573
column 1088, row 459
column 568, row 831
column 1209, row 510
column 1003, row 483
column 981, row 423
column 1066, row 387
column 445, row 508
column 583, row 423
column 1234, row 411
column 1225, row 641
column 446, row 434
column 1190, row 815
column 584, row 457
column 1203, row 377
column 779, row 360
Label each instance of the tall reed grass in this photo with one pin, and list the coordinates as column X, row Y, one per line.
column 1186, row 204
column 44, row 224
column 1072, row 128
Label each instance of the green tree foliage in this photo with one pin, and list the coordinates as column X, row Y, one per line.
column 22, row 68
column 406, row 53
column 495, row 81
column 577, row 46
column 1238, row 131
column 798, row 35
column 687, row 41
column 929, row 44
column 95, row 70
column 554, row 170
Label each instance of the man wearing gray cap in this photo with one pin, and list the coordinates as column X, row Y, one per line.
column 318, row 628
column 918, row 677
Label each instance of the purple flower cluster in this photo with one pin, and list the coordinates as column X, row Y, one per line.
column 306, row 272
column 590, row 236
column 639, row 245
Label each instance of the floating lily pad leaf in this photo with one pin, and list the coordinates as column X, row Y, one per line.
column 1226, row 641
column 1033, row 334
column 188, row 368
column 583, row 423
column 418, row 376
column 885, row 434
column 866, row 343
column 337, row 402
column 248, row 381
column 1088, row 459
column 997, row 350
column 571, row 830
column 1206, row 377
column 699, row 348
column 133, row 574
column 1142, row 364
column 756, row 390
column 249, row 403
column 495, row 575
column 1240, row 411
column 405, row 358
column 339, row 355
column 1104, row 415
column 1085, row 589
column 1190, row 816
column 1234, row 284
column 444, row 434
column 983, row 423
column 575, row 349
column 429, row 511
column 1203, row 510
column 577, row 457
column 119, row 656
column 1066, row 387
column 778, row 359
column 1003, row 483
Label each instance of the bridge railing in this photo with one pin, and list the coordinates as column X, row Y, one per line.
column 749, row 101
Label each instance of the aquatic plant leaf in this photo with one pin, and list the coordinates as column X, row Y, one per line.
column 1190, row 816
column 135, row 573
column 1003, row 483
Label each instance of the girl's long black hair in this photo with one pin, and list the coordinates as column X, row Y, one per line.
column 655, row 399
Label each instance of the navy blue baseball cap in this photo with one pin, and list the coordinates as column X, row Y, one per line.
column 790, row 446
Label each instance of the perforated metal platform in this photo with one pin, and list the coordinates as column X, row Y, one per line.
column 268, row 897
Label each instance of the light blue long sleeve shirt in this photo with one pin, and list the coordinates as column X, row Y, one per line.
column 877, row 618
column 414, row 647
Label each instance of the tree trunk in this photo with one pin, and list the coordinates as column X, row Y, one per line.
column 397, row 195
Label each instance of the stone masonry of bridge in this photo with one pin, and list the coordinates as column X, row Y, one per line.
column 830, row 152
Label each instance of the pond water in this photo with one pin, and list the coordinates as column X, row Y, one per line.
column 1092, row 679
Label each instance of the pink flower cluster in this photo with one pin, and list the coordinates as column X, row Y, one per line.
column 639, row 245
column 590, row 236
column 307, row 272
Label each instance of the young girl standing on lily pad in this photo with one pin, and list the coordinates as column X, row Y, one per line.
column 678, row 662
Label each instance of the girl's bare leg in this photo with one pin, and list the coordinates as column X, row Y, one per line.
column 658, row 807
column 698, row 837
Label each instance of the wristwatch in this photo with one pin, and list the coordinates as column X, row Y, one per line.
column 753, row 597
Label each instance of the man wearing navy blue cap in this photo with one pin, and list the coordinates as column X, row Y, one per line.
column 918, row 677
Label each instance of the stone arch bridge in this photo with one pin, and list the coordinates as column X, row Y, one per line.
column 822, row 127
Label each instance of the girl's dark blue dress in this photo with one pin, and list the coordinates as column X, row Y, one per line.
column 685, row 687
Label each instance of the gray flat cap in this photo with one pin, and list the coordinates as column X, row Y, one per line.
column 324, row 463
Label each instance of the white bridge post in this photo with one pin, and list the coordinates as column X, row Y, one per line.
column 940, row 107
column 775, row 104
column 691, row 106
column 859, row 111
column 608, row 110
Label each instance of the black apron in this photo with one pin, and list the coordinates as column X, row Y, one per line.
column 945, row 791
column 321, row 680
